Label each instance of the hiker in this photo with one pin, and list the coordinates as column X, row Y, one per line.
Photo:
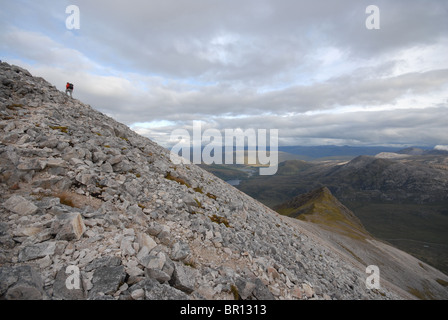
column 69, row 89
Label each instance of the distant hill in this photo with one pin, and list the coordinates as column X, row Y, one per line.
column 399, row 197
column 315, row 152
column 323, row 215
column 321, row 207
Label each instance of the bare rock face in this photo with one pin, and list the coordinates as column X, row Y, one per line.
column 84, row 196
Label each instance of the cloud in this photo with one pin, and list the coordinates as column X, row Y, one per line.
column 439, row 147
column 310, row 69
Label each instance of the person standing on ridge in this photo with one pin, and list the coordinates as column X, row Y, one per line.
column 69, row 89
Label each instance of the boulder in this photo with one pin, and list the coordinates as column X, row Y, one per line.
column 107, row 280
column 183, row 277
column 69, row 226
column 20, row 205
column 62, row 291
column 21, row 283
column 37, row 251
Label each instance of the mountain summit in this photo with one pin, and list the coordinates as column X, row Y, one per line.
column 91, row 210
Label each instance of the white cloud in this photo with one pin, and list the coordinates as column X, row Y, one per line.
column 439, row 147
column 310, row 69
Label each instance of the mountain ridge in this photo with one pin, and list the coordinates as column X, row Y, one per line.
column 80, row 190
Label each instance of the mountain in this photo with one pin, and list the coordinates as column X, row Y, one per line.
column 92, row 210
column 399, row 197
column 321, row 207
column 332, row 221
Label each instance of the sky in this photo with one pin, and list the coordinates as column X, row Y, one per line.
column 311, row 69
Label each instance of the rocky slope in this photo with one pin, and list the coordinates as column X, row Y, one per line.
column 82, row 192
column 333, row 221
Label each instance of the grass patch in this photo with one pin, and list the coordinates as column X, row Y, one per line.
column 14, row 106
column 220, row 220
column 60, row 128
column 198, row 189
column 198, row 203
column 66, row 199
column 177, row 179
column 211, row 196
column 443, row 283
column 234, row 291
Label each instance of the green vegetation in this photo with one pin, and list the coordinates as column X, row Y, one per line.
column 234, row 291
column 419, row 229
column 60, row 128
column 199, row 204
column 220, row 220
column 181, row 181
column 322, row 208
column 443, row 283
column 198, row 189
column 211, row 196
column 14, row 106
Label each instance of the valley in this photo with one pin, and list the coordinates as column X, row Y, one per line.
column 400, row 197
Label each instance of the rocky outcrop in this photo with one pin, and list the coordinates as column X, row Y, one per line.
column 91, row 210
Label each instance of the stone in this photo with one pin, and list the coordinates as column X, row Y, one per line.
column 183, row 277
column 253, row 289
column 107, row 280
column 138, row 294
column 32, row 164
column 152, row 261
column 37, row 251
column 106, row 261
column 69, row 226
column 307, row 290
column 156, row 291
column 157, row 274
column 20, row 205
column 21, row 283
column 180, row 251
column 63, row 292
column 144, row 240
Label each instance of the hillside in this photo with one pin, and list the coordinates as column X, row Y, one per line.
column 334, row 222
column 401, row 198
column 87, row 201
column 322, row 208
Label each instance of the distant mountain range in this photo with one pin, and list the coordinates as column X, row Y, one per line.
column 399, row 195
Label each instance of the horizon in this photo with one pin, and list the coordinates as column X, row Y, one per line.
column 317, row 71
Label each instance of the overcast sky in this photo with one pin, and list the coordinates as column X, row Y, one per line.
column 308, row 68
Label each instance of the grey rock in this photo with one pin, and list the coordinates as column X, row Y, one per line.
column 184, row 277
column 180, row 251
column 20, row 205
column 21, row 283
column 107, row 280
column 108, row 261
column 69, row 226
column 37, row 251
column 253, row 289
column 153, row 261
column 158, row 275
column 32, row 164
column 156, row 291
column 62, row 291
